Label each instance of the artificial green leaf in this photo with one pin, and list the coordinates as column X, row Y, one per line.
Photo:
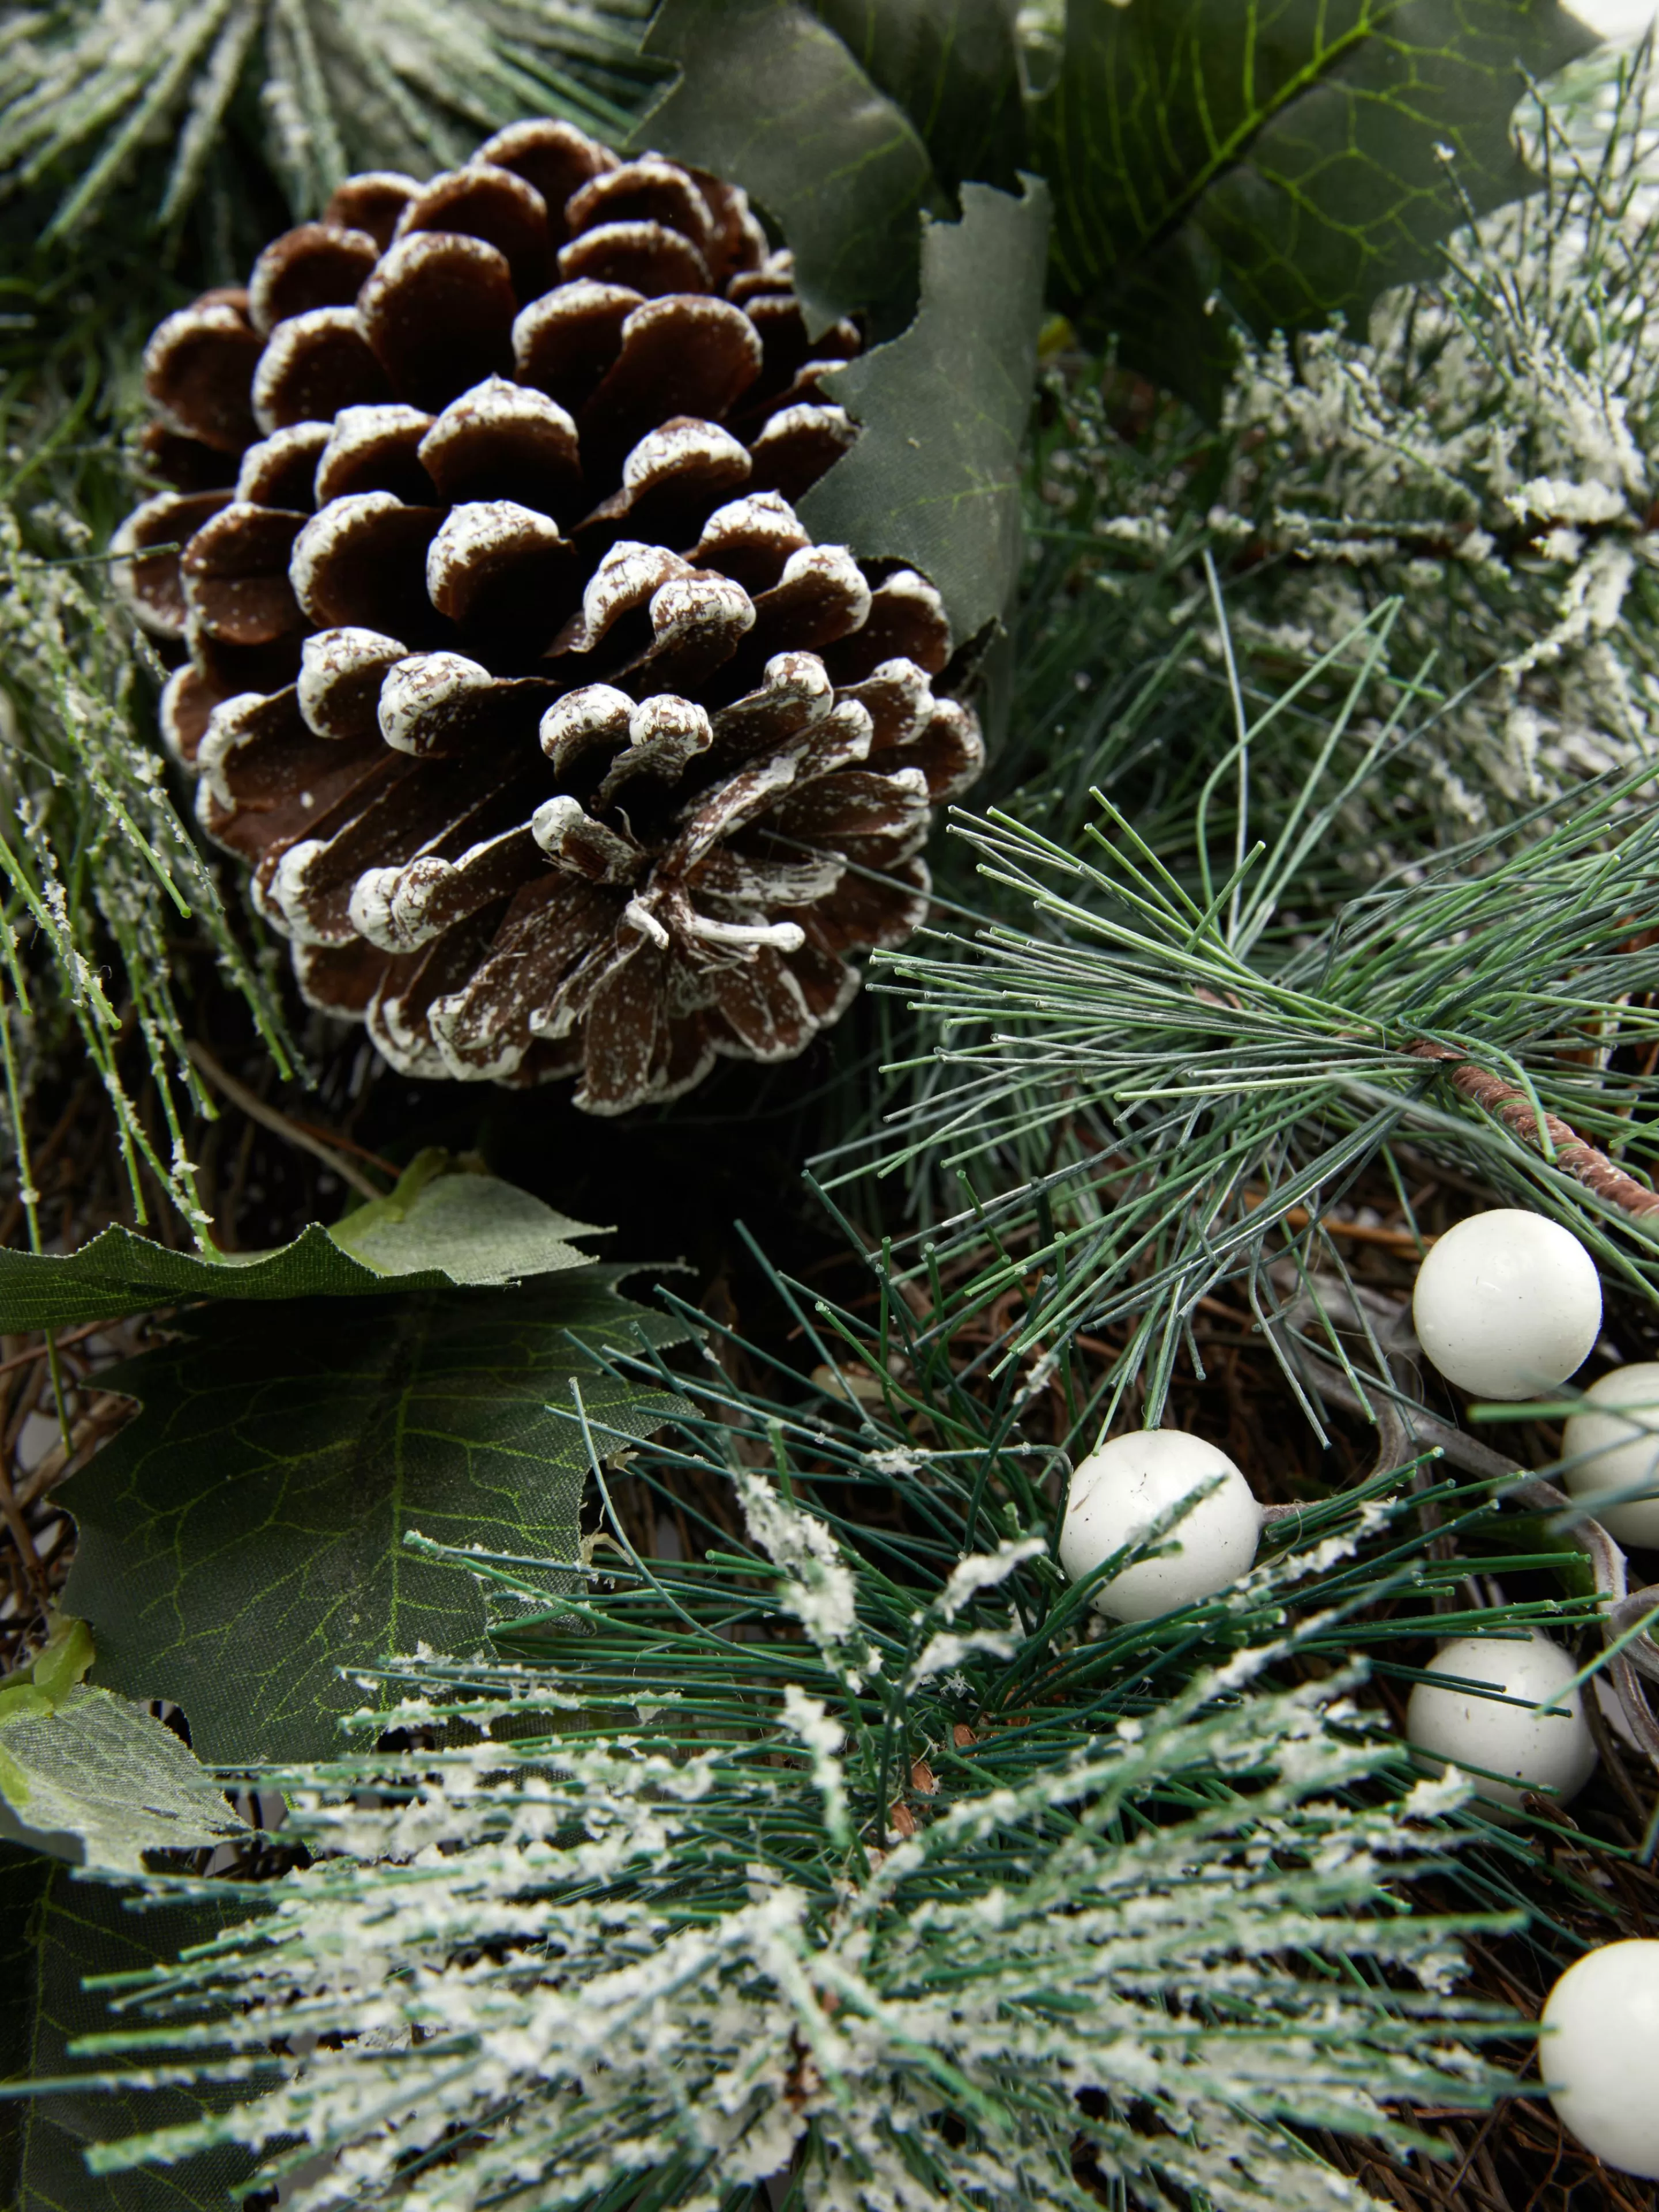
column 934, row 478
column 97, row 1781
column 770, row 97
column 472, row 1230
column 440, row 1229
column 59, row 1664
column 952, row 66
column 63, row 1661
column 23, row 1879
column 1532, row 1532
column 241, row 1539
column 56, row 1931
column 1292, row 157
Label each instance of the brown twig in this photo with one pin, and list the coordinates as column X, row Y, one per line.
column 347, row 1145
column 291, row 1132
column 1359, row 1232
column 72, row 1336
column 1509, row 1104
column 12, row 1515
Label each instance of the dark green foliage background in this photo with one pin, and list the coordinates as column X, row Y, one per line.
column 241, row 1540
column 1291, row 158
column 935, row 476
column 54, row 1931
column 1268, row 162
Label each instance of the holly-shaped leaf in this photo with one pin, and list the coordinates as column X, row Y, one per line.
column 241, row 1540
column 1287, row 160
column 951, row 67
column 934, row 478
column 440, row 1228
column 57, row 1930
column 461, row 1227
column 769, row 96
column 96, row 1780
column 1213, row 162
column 89, row 1778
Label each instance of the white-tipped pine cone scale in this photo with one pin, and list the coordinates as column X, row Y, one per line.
column 554, row 742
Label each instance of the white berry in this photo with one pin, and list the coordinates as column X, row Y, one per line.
column 1122, row 1490
column 1507, row 1304
column 1550, row 1751
column 1617, row 1447
column 1600, row 2054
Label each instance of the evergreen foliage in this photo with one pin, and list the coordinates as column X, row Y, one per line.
column 1181, row 1066
column 903, row 1879
column 765, row 1820
column 100, row 86
column 1487, row 455
column 100, row 870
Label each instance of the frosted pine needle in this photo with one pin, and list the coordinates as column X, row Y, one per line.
column 686, row 1964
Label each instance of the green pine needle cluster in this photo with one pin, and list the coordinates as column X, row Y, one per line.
column 830, row 1850
column 100, row 88
column 102, row 875
column 856, row 1858
column 851, row 1859
column 1172, row 1057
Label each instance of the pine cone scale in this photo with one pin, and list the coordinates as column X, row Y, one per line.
column 436, row 705
column 372, row 448
column 234, row 574
column 319, row 264
column 281, row 470
column 493, row 205
column 437, row 314
column 312, row 365
column 360, row 564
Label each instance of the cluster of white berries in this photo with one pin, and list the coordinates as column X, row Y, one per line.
column 1507, row 1306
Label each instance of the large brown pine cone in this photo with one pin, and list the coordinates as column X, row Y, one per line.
column 552, row 740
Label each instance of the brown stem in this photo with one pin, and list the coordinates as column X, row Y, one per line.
column 292, row 1133
column 12, row 1515
column 1511, row 1106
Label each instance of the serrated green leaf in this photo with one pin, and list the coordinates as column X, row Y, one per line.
column 55, row 1931
column 437, row 1230
column 770, row 97
column 1532, row 1533
column 64, row 1659
column 241, row 1540
column 97, row 1781
column 934, row 478
column 468, row 1230
column 1285, row 155
column 952, row 66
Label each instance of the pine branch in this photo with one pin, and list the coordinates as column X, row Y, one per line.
column 97, row 869
column 401, row 84
column 1171, row 1073
column 1548, row 1132
column 498, row 1960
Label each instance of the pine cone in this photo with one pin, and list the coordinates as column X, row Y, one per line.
column 551, row 739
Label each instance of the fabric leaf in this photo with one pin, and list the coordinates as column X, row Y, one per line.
column 57, row 1928
column 1294, row 157
column 242, row 1539
column 436, row 1231
column 934, row 478
column 952, row 66
column 98, row 1781
column 472, row 1228
column 769, row 96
